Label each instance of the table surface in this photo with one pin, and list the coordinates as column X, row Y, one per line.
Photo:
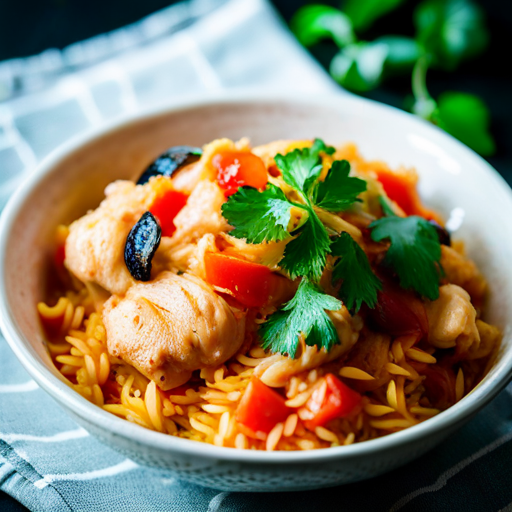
column 29, row 27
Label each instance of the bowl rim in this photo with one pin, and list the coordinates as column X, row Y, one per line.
column 107, row 422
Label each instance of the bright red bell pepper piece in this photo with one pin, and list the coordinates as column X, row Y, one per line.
column 238, row 168
column 339, row 401
column 249, row 283
column 401, row 188
column 261, row 408
column 166, row 207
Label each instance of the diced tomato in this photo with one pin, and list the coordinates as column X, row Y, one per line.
column 60, row 256
column 249, row 283
column 339, row 401
column 166, row 207
column 238, row 168
column 261, row 408
column 401, row 188
column 439, row 383
column 111, row 388
column 399, row 312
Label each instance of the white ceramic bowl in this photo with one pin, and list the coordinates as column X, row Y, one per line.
column 73, row 179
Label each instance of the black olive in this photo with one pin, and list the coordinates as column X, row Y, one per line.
column 442, row 233
column 169, row 162
column 141, row 245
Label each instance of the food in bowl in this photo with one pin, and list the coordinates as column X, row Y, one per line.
column 290, row 296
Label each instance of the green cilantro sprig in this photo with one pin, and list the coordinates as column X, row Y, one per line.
column 304, row 314
column 266, row 216
column 258, row 216
column 359, row 283
column 414, row 252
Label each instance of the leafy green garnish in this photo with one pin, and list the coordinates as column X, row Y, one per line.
column 338, row 191
column 359, row 283
column 306, row 254
column 303, row 315
column 414, row 253
column 302, row 167
column 265, row 216
column 258, row 216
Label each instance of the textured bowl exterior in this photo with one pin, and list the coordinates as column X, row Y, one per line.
column 453, row 179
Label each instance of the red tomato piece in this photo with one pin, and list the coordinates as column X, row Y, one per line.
column 238, row 168
column 249, row 283
column 399, row 312
column 401, row 188
column 261, row 408
column 60, row 256
column 339, row 401
column 439, row 384
column 166, row 207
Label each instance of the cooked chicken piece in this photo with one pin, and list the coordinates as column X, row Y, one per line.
column 96, row 241
column 452, row 319
column 280, row 369
column 201, row 215
column 169, row 327
column 463, row 272
column 267, row 253
column 490, row 337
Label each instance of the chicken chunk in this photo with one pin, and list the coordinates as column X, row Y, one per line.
column 96, row 241
column 463, row 272
column 201, row 215
column 169, row 327
column 279, row 369
column 452, row 319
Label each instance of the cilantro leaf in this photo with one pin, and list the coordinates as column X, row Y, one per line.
column 306, row 254
column 304, row 314
column 258, row 216
column 414, row 253
column 359, row 284
column 301, row 167
column 338, row 191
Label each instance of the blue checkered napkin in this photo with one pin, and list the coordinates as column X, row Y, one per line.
column 47, row 462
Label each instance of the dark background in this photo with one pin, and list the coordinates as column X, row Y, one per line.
column 28, row 27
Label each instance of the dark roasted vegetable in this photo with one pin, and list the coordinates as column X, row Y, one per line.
column 169, row 162
column 442, row 233
column 141, row 245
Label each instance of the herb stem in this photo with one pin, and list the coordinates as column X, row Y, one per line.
column 419, row 79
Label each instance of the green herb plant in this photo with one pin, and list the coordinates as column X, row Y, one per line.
column 447, row 33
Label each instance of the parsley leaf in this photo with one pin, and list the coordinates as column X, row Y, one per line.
column 414, row 253
column 338, row 191
column 258, row 216
column 304, row 314
column 301, row 167
column 306, row 254
column 359, row 284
